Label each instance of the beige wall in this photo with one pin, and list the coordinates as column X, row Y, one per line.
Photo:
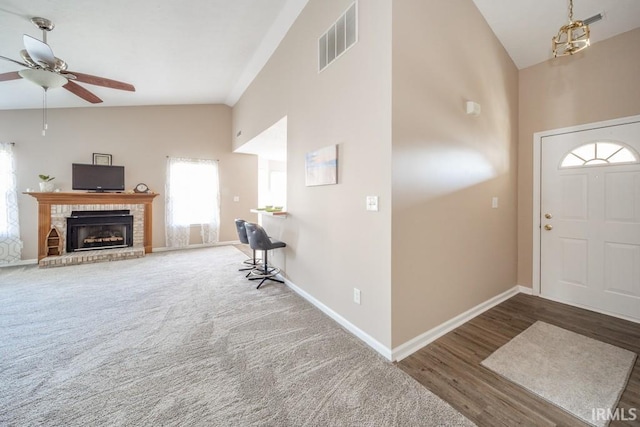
column 333, row 243
column 600, row 83
column 139, row 138
column 451, row 250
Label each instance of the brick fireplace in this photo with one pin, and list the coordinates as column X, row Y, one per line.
column 54, row 209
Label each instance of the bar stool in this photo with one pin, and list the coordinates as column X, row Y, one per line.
column 260, row 241
column 242, row 235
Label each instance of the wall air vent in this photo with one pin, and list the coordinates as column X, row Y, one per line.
column 339, row 37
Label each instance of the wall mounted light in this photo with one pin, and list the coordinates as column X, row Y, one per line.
column 473, row 108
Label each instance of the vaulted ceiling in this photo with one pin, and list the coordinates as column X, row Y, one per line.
column 525, row 27
column 195, row 52
column 208, row 51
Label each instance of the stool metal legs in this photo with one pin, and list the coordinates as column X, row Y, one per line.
column 264, row 272
column 251, row 263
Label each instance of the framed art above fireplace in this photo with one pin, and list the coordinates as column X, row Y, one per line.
column 102, row 159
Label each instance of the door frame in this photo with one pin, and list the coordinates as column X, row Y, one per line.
column 537, row 187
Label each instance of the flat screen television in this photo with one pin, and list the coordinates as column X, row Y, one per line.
column 97, row 178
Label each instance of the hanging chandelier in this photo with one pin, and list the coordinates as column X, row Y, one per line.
column 571, row 38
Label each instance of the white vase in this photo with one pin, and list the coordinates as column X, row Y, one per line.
column 46, row 187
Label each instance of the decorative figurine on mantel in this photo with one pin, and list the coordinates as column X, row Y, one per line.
column 46, row 186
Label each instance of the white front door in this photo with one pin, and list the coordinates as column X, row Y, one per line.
column 590, row 219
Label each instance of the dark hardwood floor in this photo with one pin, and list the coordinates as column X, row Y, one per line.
column 244, row 249
column 450, row 366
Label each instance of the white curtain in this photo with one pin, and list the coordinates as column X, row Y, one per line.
column 192, row 195
column 10, row 243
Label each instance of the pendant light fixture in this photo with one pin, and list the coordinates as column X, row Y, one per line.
column 46, row 80
column 571, row 38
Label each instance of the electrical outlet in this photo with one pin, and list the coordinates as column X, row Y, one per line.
column 356, row 295
column 236, row 198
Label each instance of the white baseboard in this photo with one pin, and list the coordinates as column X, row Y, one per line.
column 418, row 342
column 525, row 290
column 368, row 339
column 415, row 344
column 197, row 246
column 21, row 262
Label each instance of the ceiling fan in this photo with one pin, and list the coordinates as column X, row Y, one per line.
column 48, row 71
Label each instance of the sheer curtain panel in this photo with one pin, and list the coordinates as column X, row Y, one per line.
column 192, row 197
column 10, row 243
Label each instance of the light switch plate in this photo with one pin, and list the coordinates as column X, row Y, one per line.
column 494, row 202
column 236, row 198
column 372, row 203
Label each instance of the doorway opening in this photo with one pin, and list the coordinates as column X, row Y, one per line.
column 271, row 148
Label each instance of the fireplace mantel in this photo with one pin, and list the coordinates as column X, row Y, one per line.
column 46, row 200
column 58, row 198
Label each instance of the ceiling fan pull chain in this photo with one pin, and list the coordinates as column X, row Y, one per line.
column 44, row 111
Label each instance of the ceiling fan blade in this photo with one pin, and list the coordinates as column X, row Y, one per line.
column 83, row 93
column 13, row 75
column 14, row 61
column 39, row 51
column 101, row 81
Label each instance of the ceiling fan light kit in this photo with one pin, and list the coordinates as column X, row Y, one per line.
column 43, row 78
column 571, row 38
column 49, row 72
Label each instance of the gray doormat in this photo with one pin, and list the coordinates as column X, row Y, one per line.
column 583, row 376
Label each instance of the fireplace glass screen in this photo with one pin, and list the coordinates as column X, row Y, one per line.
column 90, row 230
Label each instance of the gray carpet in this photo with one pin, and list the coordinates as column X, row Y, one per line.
column 182, row 339
column 574, row 372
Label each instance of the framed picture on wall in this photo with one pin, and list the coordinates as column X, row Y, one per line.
column 101, row 159
column 321, row 166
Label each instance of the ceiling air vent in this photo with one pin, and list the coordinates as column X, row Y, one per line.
column 339, row 37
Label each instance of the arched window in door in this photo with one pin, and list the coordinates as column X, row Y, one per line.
column 599, row 154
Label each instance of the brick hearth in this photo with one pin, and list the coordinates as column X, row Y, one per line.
column 86, row 257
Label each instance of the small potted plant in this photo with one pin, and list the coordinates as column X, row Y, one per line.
column 46, row 186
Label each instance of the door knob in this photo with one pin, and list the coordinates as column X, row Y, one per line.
column 548, row 227
column 548, row 216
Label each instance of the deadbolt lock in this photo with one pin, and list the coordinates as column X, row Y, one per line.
column 548, row 216
column 548, row 227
